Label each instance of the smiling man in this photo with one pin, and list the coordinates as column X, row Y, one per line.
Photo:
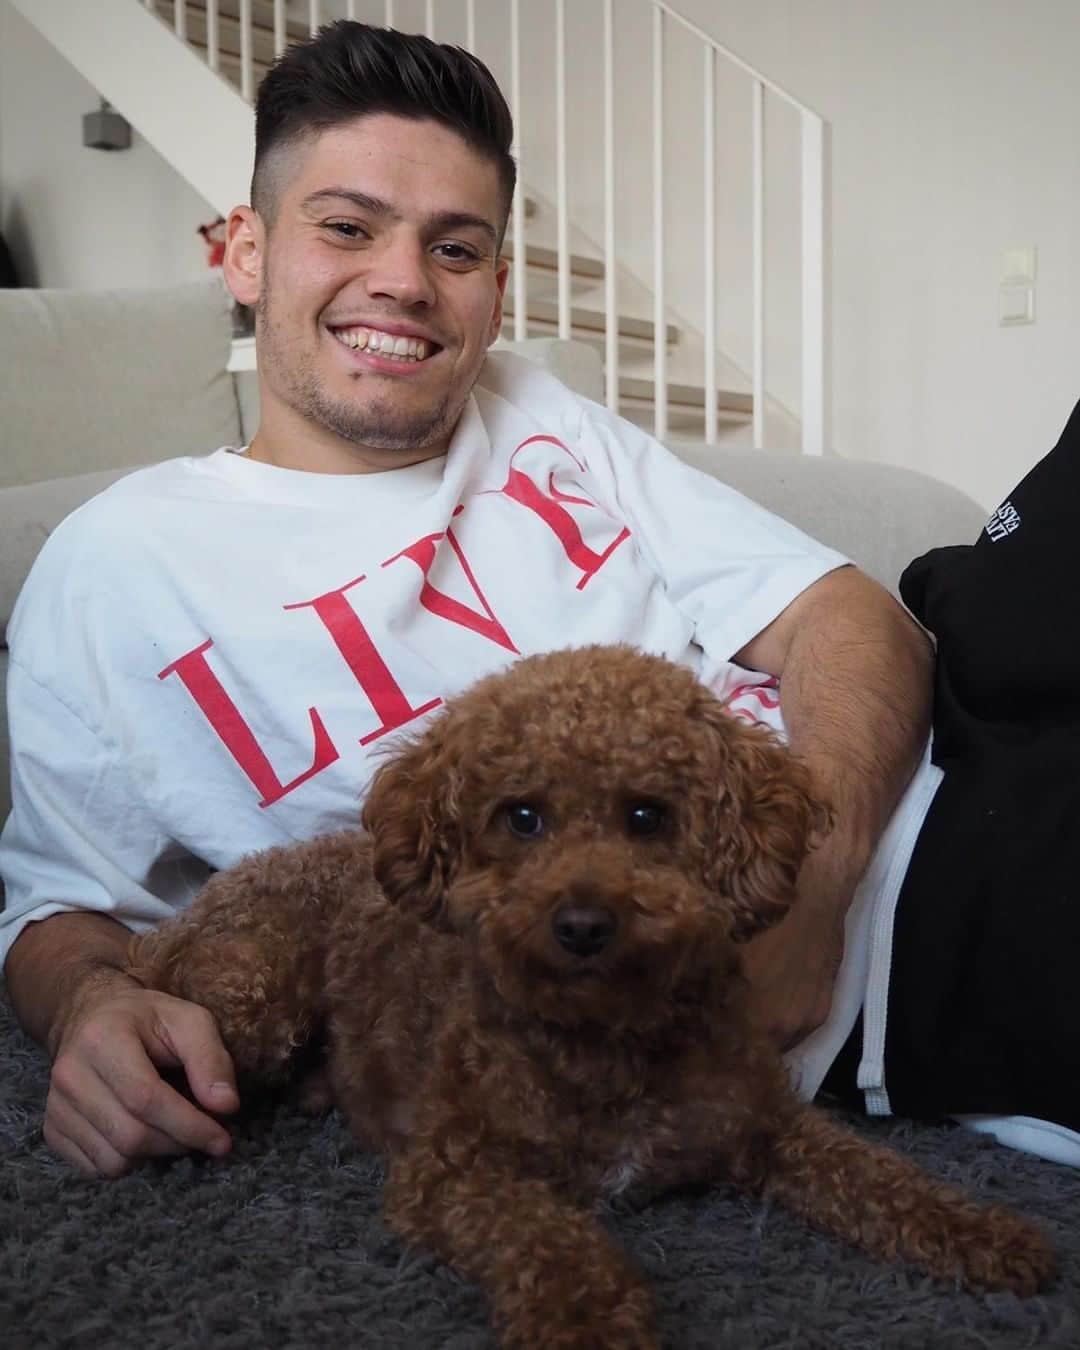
column 371, row 255
column 206, row 658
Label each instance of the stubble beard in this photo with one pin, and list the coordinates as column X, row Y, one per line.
column 380, row 424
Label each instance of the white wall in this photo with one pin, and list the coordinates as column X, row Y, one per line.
column 954, row 137
column 76, row 217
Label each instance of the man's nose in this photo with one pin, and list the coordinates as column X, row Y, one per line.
column 399, row 269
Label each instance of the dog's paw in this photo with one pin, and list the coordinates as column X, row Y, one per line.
column 1006, row 1252
column 625, row 1327
column 313, row 1093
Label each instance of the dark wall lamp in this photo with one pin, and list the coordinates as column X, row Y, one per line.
column 106, row 129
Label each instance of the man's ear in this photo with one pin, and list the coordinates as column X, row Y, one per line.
column 245, row 246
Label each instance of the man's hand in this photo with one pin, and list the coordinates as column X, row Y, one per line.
column 107, row 1037
column 108, row 1106
column 792, row 970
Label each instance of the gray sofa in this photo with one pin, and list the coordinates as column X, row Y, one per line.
column 95, row 383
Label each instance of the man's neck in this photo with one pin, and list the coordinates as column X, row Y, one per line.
column 310, row 453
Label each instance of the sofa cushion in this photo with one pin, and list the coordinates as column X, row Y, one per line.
column 102, row 379
column 28, row 515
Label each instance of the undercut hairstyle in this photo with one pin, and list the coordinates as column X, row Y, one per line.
column 350, row 70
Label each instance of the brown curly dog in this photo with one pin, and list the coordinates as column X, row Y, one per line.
column 527, row 975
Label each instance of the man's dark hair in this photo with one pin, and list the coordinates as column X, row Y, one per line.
column 351, row 70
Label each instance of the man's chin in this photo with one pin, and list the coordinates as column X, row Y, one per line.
column 393, row 434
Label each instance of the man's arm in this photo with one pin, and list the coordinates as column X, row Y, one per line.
column 855, row 690
column 108, row 1037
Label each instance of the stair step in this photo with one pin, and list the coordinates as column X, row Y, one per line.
column 547, row 259
column 685, row 397
column 543, row 317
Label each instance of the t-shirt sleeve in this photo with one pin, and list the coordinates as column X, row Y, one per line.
column 78, row 838
column 731, row 566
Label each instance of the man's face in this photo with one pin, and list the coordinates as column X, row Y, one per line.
column 377, row 292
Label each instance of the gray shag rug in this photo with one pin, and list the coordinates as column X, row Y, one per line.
column 280, row 1246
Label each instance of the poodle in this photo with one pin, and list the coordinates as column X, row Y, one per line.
column 525, row 972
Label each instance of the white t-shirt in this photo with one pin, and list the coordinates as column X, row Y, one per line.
column 207, row 657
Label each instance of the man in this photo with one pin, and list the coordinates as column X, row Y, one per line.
column 206, row 657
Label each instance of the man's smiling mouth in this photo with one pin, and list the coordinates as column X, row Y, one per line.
column 387, row 345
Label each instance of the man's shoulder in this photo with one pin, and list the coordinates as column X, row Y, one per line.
column 511, row 381
column 128, row 496
column 528, row 386
column 96, row 541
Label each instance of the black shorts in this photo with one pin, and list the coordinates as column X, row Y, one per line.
column 984, row 994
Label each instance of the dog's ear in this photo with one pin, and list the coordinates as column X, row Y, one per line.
column 765, row 818
column 411, row 813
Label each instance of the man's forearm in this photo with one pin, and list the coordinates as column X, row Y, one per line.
column 59, row 962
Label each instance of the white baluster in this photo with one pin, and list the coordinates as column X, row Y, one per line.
column 758, row 264
column 279, row 27
column 247, row 69
column 388, row 10
column 470, row 25
column 709, row 180
column 813, row 285
column 611, row 318
column 562, row 203
column 180, row 19
column 660, row 408
column 520, row 301
column 213, row 38
column 429, row 19
column 313, row 17
column 350, row 9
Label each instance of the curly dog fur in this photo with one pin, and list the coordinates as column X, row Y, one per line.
column 526, row 970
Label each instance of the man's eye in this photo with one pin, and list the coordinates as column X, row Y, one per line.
column 457, row 253
column 524, row 821
column 347, row 229
column 645, row 818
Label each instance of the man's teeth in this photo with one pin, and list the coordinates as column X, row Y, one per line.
column 383, row 344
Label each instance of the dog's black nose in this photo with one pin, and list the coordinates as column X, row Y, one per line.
column 583, row 929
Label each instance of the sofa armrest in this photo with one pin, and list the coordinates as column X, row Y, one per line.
column 879, row 515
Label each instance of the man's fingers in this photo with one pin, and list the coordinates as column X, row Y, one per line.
column 66, row 1148
column 84, row 1108
column 129, row 1104
column 193, row 1041
column 151, row 1101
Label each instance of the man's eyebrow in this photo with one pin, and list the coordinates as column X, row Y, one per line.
column 439, row 220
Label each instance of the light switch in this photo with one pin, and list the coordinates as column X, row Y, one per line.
column 1018, row 264
column 1016, row 304
column 1016, row 287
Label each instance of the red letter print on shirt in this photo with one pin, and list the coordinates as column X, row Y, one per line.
column 445, row 606
column 362, row 657
column 521, row 488
column 226, row 719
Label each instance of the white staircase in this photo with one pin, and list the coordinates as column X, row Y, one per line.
column 183, row 75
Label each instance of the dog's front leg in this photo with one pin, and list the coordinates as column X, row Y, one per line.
column 880, row 1201
column 250, row 948
column 554, row 1279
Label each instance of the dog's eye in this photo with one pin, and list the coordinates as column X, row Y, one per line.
column 645, row 818
column 525, row 821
